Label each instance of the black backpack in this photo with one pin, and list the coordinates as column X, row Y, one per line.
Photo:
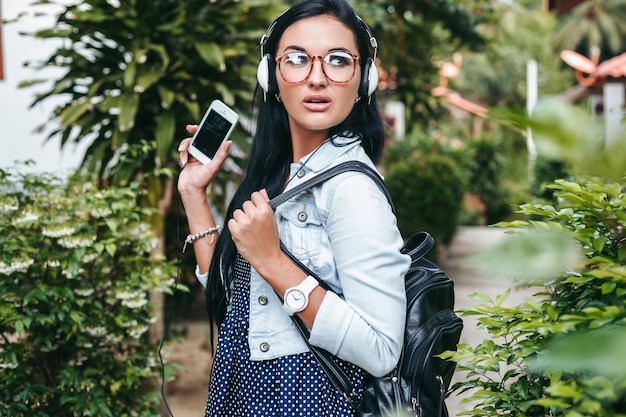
column 419, row 383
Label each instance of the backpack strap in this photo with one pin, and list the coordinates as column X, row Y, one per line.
column 334, row 372
column 328, row 174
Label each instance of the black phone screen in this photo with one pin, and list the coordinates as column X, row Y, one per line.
column 211, row 134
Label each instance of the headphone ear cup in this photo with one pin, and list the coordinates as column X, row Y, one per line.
column 266, row 74
column 373, row 79
column 262, row 73
column 369, row 79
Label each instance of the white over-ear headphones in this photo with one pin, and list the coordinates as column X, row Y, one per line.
column 266, row 73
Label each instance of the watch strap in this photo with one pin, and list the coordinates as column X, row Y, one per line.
column 308, row 285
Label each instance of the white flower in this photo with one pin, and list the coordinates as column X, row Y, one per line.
column 98, row 331
column 138, row 229
column 8, row 365
column 52, row 263
column 17, row 265
column 25, row 217
column 69, row 275
column 9, row 206
column 84, row 292
column 72, row 242
column 131, row 323
column 100, row 212
column 89, row 258
column 125, row 295
column 138, row 331
column 57, row 231
column 135, row 303
column 113, row 339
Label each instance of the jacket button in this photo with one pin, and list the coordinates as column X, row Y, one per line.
column 301, row 173
column 262, row 300
column 264, row 347
column 302, row 216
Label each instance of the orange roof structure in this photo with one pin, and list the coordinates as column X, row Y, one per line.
column 451, row 70
column 589, row 73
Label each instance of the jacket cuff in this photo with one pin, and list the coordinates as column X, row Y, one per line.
column 203, row 278
column 328, row 332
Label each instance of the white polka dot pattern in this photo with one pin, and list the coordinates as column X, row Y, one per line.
column 293, row 385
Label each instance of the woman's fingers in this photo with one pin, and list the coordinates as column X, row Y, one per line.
column 183, row 147
column 222, row 153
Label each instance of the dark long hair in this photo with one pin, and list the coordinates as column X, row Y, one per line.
column 271, row 152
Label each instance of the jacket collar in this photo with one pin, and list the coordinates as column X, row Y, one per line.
column 325, row 155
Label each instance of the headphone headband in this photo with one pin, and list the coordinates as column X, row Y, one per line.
column 270, row 29
column 372, row 39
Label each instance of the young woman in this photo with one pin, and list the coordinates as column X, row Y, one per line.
column 316, row 110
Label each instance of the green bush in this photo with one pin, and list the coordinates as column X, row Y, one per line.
column 427, row 190
column 75, row 274
column 559, row 353
column 486, row 179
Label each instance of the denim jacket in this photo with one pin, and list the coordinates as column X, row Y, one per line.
column 345, row 232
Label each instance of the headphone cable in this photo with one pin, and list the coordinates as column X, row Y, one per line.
column 166, row 323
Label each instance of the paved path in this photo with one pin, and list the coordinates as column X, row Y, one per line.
column 468, row 280
column 187, row 395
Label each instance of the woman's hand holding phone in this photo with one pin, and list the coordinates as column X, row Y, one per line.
column 196, row 176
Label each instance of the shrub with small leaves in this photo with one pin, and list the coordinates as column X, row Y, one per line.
column 560, row 353
column 427, row 191
column 75, row 273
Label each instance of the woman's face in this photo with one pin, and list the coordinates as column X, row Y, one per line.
column 318, row 104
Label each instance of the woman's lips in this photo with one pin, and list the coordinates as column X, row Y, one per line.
column 316, row 103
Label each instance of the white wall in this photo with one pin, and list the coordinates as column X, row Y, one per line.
column 18, row 141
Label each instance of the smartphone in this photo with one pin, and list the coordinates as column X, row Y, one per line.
column 215, row 127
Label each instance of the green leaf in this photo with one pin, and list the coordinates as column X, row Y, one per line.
column 129, row 75
column 481, row 296
column 76, row 317
column 129, row 105
column 145, row 81
column 212, row 54
column 562, row 390
column 167, row 97
column 531, row 257
column 551, row 402
column 166, row 128
column 110, row 248
column 71, row 113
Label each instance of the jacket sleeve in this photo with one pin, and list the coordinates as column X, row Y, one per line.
column 365, row 325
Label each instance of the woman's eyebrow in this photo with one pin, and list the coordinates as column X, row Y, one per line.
column 295, row 47
column 301, row 49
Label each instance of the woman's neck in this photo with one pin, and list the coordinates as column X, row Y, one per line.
column 303, row 145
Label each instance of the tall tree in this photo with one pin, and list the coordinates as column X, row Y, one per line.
column 594, row 24
column 496, row 77
column 136, row 72
column 409, row 34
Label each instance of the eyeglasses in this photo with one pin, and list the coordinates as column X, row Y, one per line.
column 296, row 67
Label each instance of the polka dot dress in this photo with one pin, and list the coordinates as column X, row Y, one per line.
column 292, row 385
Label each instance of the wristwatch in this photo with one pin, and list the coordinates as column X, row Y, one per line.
column 297, row 298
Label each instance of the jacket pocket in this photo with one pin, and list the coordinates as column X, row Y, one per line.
column 300, row 226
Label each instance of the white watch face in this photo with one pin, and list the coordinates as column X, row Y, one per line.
column 295, row 299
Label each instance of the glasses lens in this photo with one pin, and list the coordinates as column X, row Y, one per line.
column 295, row 67
column 339, row 66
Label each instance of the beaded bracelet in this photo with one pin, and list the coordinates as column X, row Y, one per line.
column 192, row 238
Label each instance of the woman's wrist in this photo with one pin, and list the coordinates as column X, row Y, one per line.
column 193, row 197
